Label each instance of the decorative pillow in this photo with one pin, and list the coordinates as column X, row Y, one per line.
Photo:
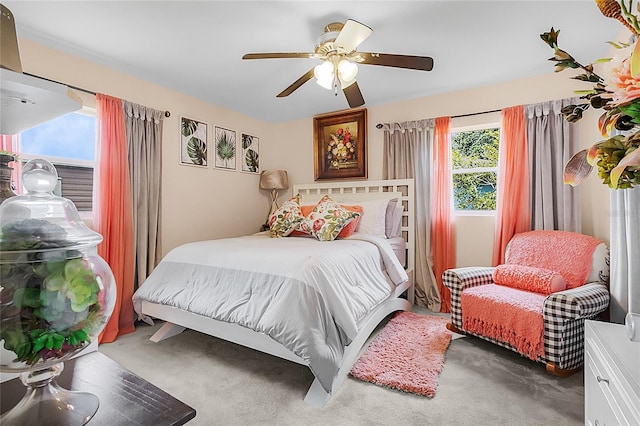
column 327, row 219
column 347, row 231
column 351, row 227
column 287, row 218
column 373, row 217
column 537, row 280
column 306, row 211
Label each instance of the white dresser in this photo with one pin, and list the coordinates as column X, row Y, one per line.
column 611, row 376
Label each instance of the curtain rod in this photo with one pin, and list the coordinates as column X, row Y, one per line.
column 166, row 113
column 380, row 125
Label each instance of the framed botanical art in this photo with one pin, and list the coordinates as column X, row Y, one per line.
column 193, row 142
column 250, row 153
column 340, row 145
column 225, row 149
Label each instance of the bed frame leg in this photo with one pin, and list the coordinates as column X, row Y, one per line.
column 167, row 330
column 317, row 397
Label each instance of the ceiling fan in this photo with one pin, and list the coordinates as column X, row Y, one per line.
column 336, row 47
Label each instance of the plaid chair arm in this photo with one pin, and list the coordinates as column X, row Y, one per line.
column 456, row 280
column 577, row 303
column 564, row 314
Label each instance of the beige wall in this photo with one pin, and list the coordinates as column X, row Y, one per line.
column 206, row 203
column 197, row 203
column 474, row 234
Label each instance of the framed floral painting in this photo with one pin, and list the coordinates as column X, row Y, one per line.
column 340, row 145
column 250, row 153
column 225, row 154
column 193, row 142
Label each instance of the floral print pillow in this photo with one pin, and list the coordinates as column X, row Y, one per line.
column 287, row 218
column 327, row 219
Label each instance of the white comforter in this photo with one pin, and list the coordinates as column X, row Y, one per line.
column 306, row 294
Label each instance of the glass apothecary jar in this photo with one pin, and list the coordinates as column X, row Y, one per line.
column 56, row 296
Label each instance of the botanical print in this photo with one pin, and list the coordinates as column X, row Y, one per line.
column 250, row 154
column 193, row 142
column 225, row 149
column 340, row 146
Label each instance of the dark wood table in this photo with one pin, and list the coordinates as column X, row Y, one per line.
column 125, row 399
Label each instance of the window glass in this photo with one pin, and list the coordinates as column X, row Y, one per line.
column 71, row 136
column 69, row 143
column 474, row 156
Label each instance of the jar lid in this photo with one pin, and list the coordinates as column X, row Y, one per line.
column 40, row 220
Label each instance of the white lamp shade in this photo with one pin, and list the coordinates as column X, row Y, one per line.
column 347, row 70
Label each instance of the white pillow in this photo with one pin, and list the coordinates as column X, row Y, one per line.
column 396, row 230
column 373, row 216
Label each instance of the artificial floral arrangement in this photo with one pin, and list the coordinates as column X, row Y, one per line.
column 618, row 94
column 341, row 149
column 50, row 297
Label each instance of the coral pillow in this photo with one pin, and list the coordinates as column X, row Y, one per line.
column 286, row 219
column 537, row 280
column 347, row 231
column 327, row 219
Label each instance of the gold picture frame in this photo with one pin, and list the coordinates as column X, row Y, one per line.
column 340, row 145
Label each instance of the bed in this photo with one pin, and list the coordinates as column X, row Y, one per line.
column 308, row 301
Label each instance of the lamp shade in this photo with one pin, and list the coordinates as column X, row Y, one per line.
column 348, row 70
column 274, row 179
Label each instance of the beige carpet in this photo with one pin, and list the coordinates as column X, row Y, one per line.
column 481, row 384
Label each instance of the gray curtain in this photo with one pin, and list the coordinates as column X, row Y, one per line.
column 144, row 141
column 552, row 141
column 407, row 155
column 625, row 253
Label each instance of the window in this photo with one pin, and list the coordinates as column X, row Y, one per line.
column 474, row 156
column 69, row 143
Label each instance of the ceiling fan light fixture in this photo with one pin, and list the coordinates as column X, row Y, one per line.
column 347, row 70
column 324, row 74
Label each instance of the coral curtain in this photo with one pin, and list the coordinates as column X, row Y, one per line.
column 10, row 143
column 113, row 212
column 442, row 226
column 407, row 155
column 552, row 141
column 144, row 141
column 625, row 252
column 513, row 213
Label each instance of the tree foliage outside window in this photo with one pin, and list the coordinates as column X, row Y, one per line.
column 474, row 157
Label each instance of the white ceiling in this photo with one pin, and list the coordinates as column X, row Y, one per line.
column 195, row 47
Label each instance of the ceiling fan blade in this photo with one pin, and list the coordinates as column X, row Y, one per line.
column 296, row 84
column 423, row 63
column 279, row 55
column 354, row 95
column 352, row 34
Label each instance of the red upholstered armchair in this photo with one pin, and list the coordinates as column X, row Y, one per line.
column 536, row 303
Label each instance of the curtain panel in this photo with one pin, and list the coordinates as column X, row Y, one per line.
column 442, row 227
column 552, row 142
column 113, row 212
column 144, row 144
column 407, row 155
column 513, row 213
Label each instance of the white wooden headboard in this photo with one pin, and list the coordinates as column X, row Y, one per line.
column 403, row 189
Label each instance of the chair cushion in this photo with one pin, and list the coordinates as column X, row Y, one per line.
column 506, row 315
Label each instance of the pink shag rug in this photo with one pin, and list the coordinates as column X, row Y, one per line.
column 407, row 354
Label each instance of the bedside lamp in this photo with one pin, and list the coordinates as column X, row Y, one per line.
column 274, row 180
